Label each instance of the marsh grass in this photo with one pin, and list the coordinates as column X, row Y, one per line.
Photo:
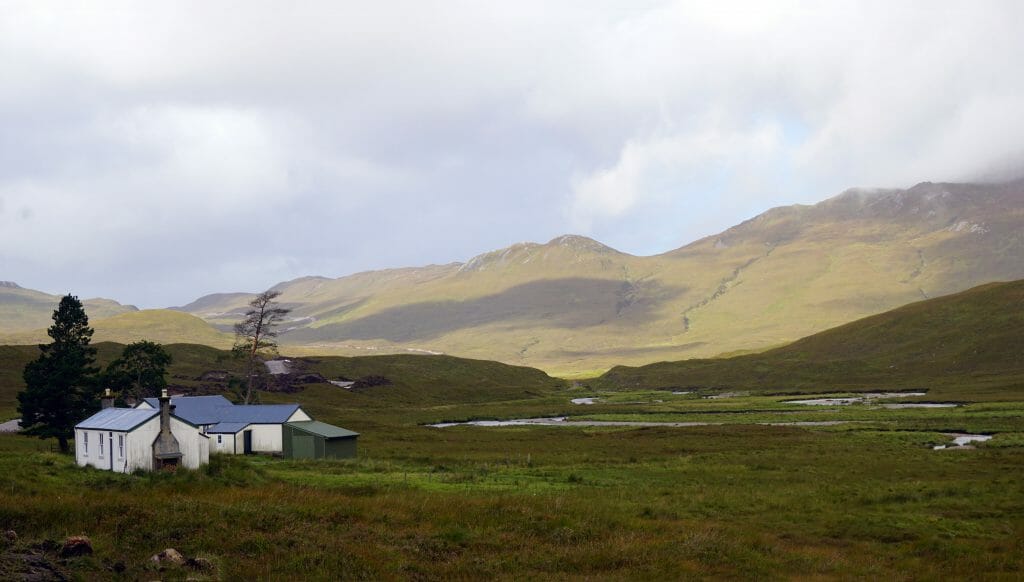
column 735, row 501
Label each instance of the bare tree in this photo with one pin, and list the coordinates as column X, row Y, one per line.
column 254, row 336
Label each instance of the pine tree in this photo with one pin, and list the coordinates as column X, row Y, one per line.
column 254, row 336
column 60, row 385
column 139, row 372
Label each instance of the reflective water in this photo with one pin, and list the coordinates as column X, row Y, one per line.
column 867, row 396
column 962, row 440
column 564, row 421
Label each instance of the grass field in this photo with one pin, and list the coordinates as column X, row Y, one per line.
column 863, row 493
column 868, row 498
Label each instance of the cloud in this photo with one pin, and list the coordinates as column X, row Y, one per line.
column 144, row 141
column 660, row 167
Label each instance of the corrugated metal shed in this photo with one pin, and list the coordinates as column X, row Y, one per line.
column 227, row 427
column 317, row 440
column 323, row 429
column 258, row 413
column 196, row 409
column 119, row 419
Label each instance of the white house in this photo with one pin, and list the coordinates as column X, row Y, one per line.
column 126, row 439
column 235, row 428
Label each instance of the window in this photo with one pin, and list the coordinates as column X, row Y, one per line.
column 120, row 445
column 85, row 442
column 219, row 437
column 101, row 444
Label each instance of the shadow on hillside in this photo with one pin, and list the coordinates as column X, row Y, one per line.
column 571, row 303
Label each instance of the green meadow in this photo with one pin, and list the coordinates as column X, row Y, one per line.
column 866, row 498
column 753, row 486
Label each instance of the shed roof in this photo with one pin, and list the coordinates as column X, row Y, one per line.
column 196, row 409
column 258, row 413
column 227, row 427
column 322, row 429
column 119, row 419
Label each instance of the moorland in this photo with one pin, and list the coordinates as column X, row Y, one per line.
column 748, row 484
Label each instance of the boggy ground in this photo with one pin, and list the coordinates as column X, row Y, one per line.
column 867, row 499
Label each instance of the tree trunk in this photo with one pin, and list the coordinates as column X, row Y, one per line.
column 63, row 442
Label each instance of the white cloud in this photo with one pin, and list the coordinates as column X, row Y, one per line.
column 662, row 167
column 439, row 130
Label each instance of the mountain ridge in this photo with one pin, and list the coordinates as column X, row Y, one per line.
column 574, row 305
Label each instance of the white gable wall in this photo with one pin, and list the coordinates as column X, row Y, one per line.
column 267, row 438
column 194, row 445
column 138, row 446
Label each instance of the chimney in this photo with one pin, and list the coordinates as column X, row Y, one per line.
column 107, row 401
column 166, row 452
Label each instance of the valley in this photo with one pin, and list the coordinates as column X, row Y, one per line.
column 818, row 458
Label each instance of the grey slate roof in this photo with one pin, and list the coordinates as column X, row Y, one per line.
column 119, row 419
column 322, row 429
column 258, row 413
column 196, row 409
column 227, row 427
column 217, row 409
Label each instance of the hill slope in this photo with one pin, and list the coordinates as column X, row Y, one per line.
column 28, row 310
column 972, row 339
column 576, row 306
column 158, row 325
column 398, row 380
column 573, row 304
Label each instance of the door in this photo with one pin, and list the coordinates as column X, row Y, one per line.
column 303, row 446
column 247, row 442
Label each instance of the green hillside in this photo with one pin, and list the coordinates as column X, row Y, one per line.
column 24, row 310
column 973, row 340
column 400, row 380
column 159, row 325
column 573, row 305
column 576, row 307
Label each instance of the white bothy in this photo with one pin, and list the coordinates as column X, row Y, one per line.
column 121, row 439
column 235, row 428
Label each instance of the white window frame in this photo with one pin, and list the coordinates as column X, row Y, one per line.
column 85, row 443
column 101, row 445
column 120, row 445
column 219, row 437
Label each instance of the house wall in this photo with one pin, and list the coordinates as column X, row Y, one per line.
column 266, row 438
column 226, row 445
column 91, row 455
column 138, row 447
column 194, row 445
column 138, row 452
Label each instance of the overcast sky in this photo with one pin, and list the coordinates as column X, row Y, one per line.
column 155, row 152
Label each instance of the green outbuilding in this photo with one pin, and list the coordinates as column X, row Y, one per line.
column 312, row 439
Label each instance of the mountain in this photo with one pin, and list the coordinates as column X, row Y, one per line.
column 574, row 305
column 971, row 339
column 27, row 310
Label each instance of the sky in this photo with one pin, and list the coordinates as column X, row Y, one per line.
column 156, row 152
